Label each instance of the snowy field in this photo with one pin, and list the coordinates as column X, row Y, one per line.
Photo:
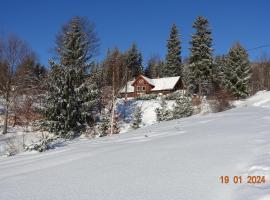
column 175, row 160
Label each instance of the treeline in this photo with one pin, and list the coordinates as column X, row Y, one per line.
column 202, row 73
column 21, row 78
column 76, row 94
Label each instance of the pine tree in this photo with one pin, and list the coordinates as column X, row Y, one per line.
column 137, row 118
column 163, row 113
column 154, row 67
column 72, row 97
column 237, row 72
column 97, row 77
column 182, row 107
column 218, row 72
column 173, row 65
column 134, row 61
column 200, row 60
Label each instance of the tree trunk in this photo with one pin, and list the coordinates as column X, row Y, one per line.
column 113, row 99
column 125, row 101
column 112, row 117
column 6, row 119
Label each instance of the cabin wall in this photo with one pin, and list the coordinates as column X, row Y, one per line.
column 141, row 87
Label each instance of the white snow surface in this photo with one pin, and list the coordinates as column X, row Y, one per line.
column 176, row 160
column 167, row 83
column 148, row 108
column 261, row 99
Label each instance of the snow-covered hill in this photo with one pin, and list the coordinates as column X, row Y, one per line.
column 148, row 108
column 176, row 160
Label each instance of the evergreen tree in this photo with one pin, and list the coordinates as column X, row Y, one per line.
column 218, row 72
column 237, row 72
column 173, row 65
column 137, row 118
column 182, row 107
column 154, row 67
column 134, row 62
column 97, row 77
column 200, row 60
column 72, row 97
column 163, row 113
column 115, row 127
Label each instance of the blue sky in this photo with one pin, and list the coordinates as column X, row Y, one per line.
column 121, row 22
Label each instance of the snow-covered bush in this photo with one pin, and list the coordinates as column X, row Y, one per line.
column 205, row 106
column 146, row 97
column 163, row 113
column 116, row 128
column 182, row 107
column 175, row 95
column 137, row 118
column 104, row 123
column 44, row 143
column 12, row 146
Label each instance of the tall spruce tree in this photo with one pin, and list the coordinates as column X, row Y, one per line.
column 134, row 62
column 200, row 60
column 72, row 96
column 237, row 72
column 173, row 66
column 218, row 72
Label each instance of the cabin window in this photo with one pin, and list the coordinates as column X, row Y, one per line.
column 138, row 88
column 143, row 88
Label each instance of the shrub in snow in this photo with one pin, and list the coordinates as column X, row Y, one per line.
column 12, row 146
column 174, row 96
column 221, row 101
column 205, row 106
column 147, row 97
column 43, row 144
column 104, row 123
column 163, row 113
column 116, row 128
column 182, row 107
column 137, row 118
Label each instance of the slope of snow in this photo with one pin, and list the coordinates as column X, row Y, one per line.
column 261, row 99
column 176, row 160
column 148, row 108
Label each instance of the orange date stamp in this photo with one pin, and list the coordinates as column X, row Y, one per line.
column 242, row 179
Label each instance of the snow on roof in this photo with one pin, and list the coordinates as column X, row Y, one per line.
column 167, row 83
column 129, row 88
column 149, row 80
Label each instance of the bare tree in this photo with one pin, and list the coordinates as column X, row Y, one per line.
column 14, row 52
column 260, row 79
column 115, row 72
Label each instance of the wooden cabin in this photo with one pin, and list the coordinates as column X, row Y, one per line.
column 143, row 85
